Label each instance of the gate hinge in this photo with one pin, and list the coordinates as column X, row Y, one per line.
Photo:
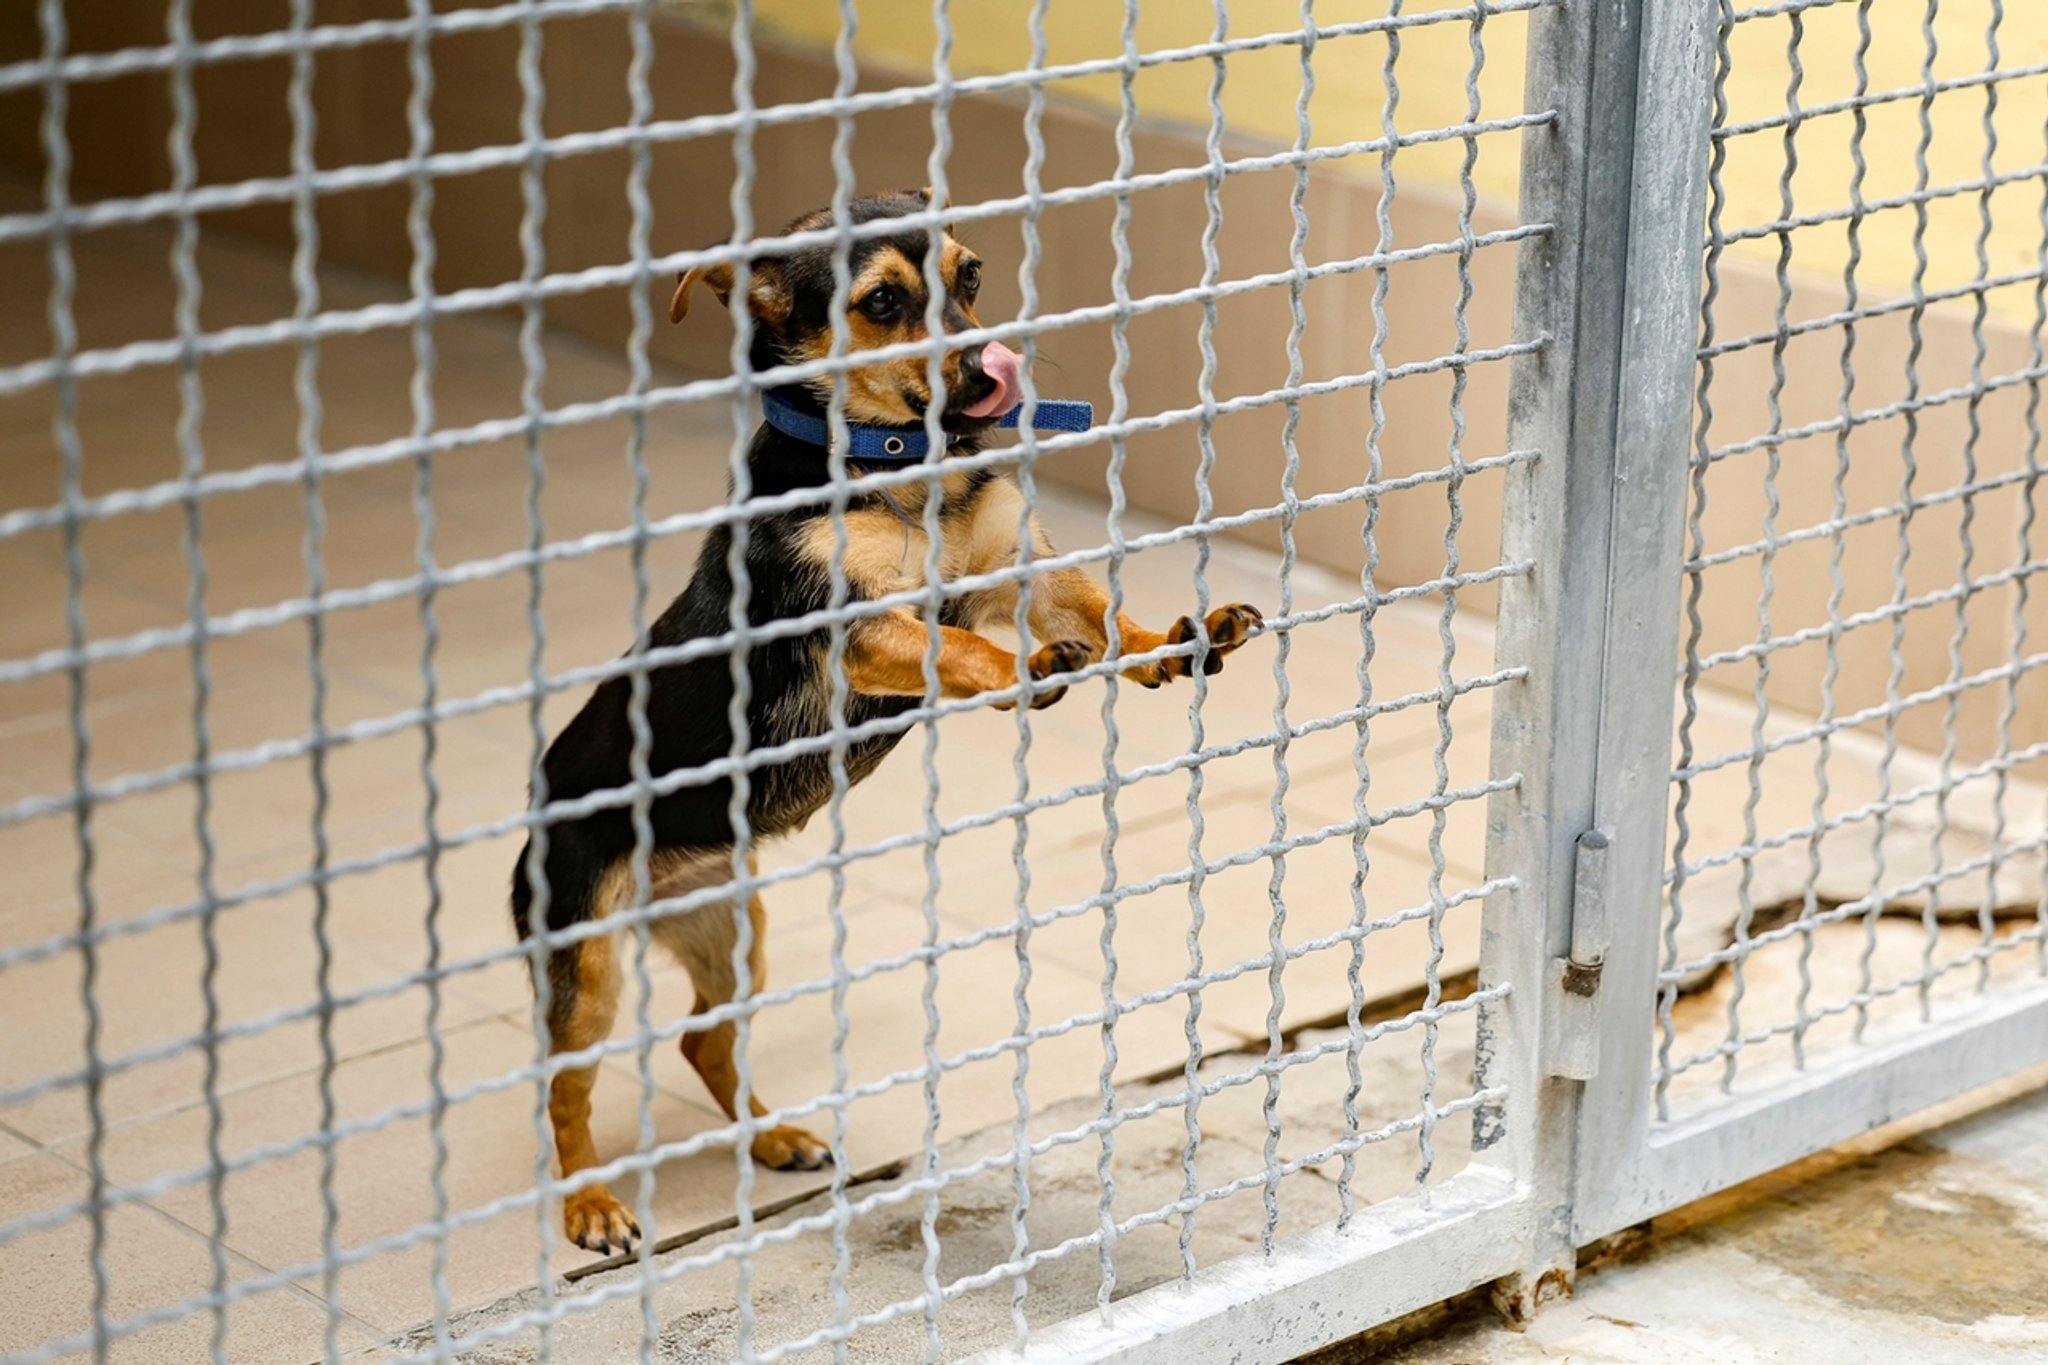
column 1571, row 1023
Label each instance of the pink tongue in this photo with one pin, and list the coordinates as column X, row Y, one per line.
column 1000, row 364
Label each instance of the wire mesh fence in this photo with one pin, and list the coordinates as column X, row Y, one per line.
column 400, row 526
column 1859, row 552
column 921, row 943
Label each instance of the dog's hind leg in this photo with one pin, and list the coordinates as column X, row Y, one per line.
column 583, row 1000
column 703, row 940
column 593, row 1216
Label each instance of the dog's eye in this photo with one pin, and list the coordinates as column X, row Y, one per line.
column 970, row 280
column 882, row 303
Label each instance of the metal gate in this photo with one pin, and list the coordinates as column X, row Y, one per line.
column 1631, row 869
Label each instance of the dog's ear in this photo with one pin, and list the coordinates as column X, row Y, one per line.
column 719, row 277
column 767, row 290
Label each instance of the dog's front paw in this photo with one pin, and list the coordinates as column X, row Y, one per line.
column 789, row 1148
column 597, row 1221
column 1228, row 628
column 1061, row 656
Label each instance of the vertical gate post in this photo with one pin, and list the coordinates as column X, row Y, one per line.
column 1614, row 287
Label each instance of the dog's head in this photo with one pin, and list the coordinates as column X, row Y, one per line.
column 790, row 297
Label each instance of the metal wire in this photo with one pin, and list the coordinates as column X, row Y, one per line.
column 1205, row 437
column 939, row 190
column 1290, row 472
column 845, row 75
column 533, row 378
column 192, row 461
column 639, row 760
column 63, row 349
column 1027, row 550
column 1112, row 624
column 419, row 226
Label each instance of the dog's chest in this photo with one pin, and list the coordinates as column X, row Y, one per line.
column 886, row 549
column 982, row 535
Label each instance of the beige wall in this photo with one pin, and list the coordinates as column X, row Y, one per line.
column 118, row 129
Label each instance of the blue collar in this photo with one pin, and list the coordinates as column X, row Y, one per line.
column 880, row 445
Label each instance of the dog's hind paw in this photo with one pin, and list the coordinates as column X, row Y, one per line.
column 597, row 1221
column 789, row 1148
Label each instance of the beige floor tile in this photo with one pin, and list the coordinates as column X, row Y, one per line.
column 382, row 1178
column 485, row 639
column 267, row 963
column 1151, row 933
column 973, row 997
column 130, row 873
column 1405, row 777
column 388, row 908
column 253, row 543
column 13, row 1145
column 975, row 778
column 974, row 761
column 1717, row 801
column 34, row 620
column 978, row 890
column 256, row 810
column 1786, row 781
column 151, row 1262
column 1747, row 825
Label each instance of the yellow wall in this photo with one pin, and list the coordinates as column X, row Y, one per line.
column 1259, row 101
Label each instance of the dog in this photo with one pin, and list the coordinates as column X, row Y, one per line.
column 588, row 860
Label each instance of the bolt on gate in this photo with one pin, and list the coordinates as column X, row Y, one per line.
column 1211, row 1024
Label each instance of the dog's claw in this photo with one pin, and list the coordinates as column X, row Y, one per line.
column 1227, row 628
column 596, row 1221
column 1061, row 656
column 789, row 1148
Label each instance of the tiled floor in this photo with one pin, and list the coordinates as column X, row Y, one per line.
column 266, row 959
column 263, row 958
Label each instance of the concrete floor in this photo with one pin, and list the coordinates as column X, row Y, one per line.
column 1924, row 1242
column 153, row 1120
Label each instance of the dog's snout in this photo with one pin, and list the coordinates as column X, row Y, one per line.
column 970, row 363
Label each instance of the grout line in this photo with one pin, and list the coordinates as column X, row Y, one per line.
column 888, row 1170
column 1377, row 1010
column 382, row 1049
column 291, row 1287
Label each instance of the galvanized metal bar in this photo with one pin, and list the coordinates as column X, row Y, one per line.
column 1898, row 1072
column 1653, row 424
column 1607, row 402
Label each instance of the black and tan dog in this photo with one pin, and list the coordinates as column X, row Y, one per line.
column 588, row 860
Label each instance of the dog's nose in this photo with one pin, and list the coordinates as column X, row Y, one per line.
column 970, row 364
